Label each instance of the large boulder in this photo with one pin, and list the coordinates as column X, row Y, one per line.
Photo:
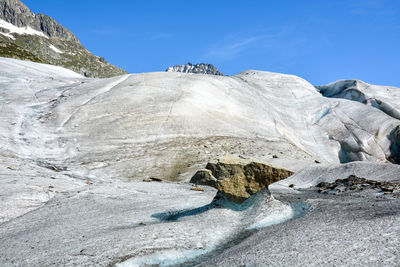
column 237, row 178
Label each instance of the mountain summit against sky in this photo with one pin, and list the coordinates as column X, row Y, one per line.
column 201, row 68
column 39, row 38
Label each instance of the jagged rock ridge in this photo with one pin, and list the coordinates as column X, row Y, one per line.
column 202, row 68
column 38, row 37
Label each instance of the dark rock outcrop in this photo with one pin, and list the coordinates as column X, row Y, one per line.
column 53, row 29
column 16, row 13
column 394, row 138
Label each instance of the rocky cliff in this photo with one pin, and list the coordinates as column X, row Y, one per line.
column 198, row 68
column 38, row 37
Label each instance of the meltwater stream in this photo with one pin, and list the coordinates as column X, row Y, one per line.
column 259, row 211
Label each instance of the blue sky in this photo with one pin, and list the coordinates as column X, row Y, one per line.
column 320, row 41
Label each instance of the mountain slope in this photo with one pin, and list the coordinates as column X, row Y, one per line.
column 40, row 38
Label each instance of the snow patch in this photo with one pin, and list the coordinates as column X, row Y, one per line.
column 55, row 49
column 23, row 30
column 8, row 35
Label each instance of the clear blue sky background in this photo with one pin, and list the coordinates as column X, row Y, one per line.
column 320, row 41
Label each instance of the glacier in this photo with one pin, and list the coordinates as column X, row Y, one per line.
column 74, row 152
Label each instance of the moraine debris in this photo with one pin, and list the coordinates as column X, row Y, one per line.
column 354, row 183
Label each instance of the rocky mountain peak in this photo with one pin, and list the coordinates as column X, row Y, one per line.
column 38, row 37
column 16, row 13
column 53, row 29
column 201, row 68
